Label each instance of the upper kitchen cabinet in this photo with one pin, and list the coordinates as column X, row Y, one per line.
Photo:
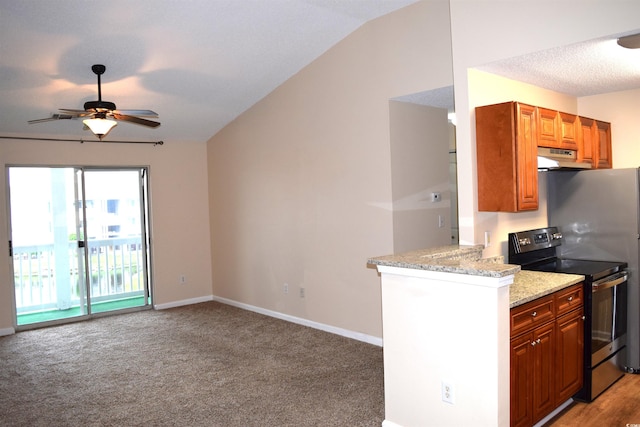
column 595, row 143
column 549, row 128
column 569, row 131
column 557, row 129
column 603, row 140
column 506, row 141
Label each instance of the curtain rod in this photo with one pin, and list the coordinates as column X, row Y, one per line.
column 82, row 141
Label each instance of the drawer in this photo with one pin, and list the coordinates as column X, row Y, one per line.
column 569, row 299
column 530, row 315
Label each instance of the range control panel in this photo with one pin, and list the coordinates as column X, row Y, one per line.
column 531, row 240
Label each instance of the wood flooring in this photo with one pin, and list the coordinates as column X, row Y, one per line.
column 618, row 406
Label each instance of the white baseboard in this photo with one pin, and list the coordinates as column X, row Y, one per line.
column 183, row 302
column 387, row 423
column 7, row 331
column 305, row 322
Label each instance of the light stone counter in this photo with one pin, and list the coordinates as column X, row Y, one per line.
column 527, row 285
column 530, row 285
column 450, row 259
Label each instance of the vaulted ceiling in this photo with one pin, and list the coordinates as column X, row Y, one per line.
column 197, row 63
column 201, row 63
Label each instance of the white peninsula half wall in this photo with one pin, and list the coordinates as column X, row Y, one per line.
column 445, row 322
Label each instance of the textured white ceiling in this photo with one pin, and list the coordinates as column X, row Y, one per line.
column 198, row 63
column 589, row 68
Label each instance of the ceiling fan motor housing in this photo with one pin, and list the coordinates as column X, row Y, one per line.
column 99, row 105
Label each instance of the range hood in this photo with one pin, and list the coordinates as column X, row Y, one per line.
column 556, row 158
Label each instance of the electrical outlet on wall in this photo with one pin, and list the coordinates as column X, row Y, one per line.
column 183, row 279
column 448, row 392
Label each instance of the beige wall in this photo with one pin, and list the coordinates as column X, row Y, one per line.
column 300, row 184
column 419, row 167
column 622, row 110
column 179, row 209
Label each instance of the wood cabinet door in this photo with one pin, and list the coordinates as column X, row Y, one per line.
column 586, row 141
column 569, row 365
column 569, row 131
column 496, row 157
column 527, row 157
column 521, row 369
column 548, row 128
column 543, row 378
column 603, row 145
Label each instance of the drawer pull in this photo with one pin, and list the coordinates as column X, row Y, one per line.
column 534, row 314
column 536, row 342
column 570, row 298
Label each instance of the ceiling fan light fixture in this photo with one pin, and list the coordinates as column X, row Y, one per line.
column 630, row 42
column 100, row 127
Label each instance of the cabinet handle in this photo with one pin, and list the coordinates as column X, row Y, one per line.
column 536, row 342
column 570, row 298
column 534, row 314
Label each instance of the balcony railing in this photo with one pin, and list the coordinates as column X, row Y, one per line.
column 116, row 270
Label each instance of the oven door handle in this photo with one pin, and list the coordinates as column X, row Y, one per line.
column 609, row 282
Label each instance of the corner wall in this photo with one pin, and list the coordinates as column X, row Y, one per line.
column 487, row 31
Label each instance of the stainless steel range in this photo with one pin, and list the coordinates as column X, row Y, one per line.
column 605, row 303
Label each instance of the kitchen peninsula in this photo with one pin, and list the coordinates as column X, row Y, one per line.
column 446, row 332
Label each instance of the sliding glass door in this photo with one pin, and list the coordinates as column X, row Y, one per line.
column 79, row 242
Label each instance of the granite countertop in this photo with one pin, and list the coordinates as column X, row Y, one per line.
column 530, row 285
column 458, row 259
column 527, row 285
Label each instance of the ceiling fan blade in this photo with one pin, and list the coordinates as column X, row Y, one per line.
column 52, row 118
column 136, row 120
column 143, row 113
column 76, row 113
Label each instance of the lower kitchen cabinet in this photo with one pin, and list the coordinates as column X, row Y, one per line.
column 570, row 360
column 532, row 375
column 546, row 354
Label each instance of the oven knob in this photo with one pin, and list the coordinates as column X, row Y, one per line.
column 524, row 241
column 556, row 236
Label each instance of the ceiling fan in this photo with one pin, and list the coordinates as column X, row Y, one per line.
column 101, row 116
column 630, row 42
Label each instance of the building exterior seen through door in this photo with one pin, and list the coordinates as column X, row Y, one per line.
column 79, row 242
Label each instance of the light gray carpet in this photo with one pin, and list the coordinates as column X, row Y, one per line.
column 207, row 364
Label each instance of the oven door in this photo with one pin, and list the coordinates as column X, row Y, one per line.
column 608, row 316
